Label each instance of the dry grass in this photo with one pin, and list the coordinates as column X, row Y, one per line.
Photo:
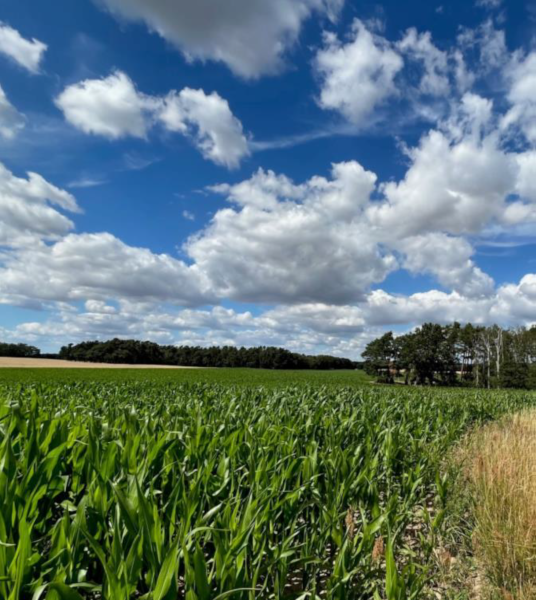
column 501, row 470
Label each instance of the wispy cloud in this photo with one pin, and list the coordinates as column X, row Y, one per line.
column 33, row 142
column 135, row 162
column 505, row 244
column 340, row 129
column 489, row 3
column 288, row 141
column 405, row 122
column 86, row 183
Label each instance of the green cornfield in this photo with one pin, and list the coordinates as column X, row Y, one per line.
column 161, row 490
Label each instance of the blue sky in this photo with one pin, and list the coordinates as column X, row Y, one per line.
column 302, row 173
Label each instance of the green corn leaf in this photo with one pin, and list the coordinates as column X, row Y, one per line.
column 167, row 578
column 201, row 578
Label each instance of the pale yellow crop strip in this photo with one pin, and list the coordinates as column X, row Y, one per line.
column 501, row 461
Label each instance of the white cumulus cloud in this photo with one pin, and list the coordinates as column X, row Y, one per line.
column 293, row 243
column 449, row 259
column 28, row 209
column 357, row 76
column 112, row 107
column 208, row 120
column 453, row 186
column 521, row 74
column 98, row 266
column 420, row 48
column 26, row 53
column 11, row 121
column 249, row 36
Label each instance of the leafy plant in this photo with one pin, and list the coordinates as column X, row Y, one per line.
column 160, row 491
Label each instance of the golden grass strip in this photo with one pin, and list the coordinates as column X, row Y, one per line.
column 501, row 468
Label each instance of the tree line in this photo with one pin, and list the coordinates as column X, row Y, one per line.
column 469, row 355
column 19, row 350
column 149, row 353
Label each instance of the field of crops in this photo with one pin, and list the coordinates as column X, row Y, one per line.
column 159, row 490
column 248, row 377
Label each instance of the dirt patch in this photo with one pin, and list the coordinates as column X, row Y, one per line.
column 49, row 363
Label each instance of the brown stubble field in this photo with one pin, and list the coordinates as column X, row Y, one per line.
column 50, row 363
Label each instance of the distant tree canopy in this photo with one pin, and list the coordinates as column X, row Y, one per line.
column 19, row 350
column 456, row 355
column 136, row 352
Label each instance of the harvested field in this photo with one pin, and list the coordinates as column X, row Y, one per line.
column 50, row 363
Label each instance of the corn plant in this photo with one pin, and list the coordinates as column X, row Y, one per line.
column 158, row 491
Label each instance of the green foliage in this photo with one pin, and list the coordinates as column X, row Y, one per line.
column 379, row 356
column 159, row 491
column 514, row 375
column 19, row 350
column 135, row 352
column 454, row 355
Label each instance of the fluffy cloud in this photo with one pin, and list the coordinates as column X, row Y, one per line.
column 289, row 243
column 313, row 250
column 26, row 214
column 419, row 47
column 363, row 77
column 526, row 180
column 313, row 328
column 305, row 328
column 26, row 53
column 324, row 241
column 511, row 305
column 249, row 36
column 449, row 260
column 98, row 267
column 487, row 45
column 329, row 240
column 98, row 307
column 452, row 186
column 384, row 309
column 492, row 43
column 358, row 76
column 261, row 191
column 208, row 120
column 325, row 319
column 517, row 302
column 463, row 76
column 11, row 121
column 522, row 96
column 112, row 107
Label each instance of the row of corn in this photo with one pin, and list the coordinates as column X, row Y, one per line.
column 205, row 492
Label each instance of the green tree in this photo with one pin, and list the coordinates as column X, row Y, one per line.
column 380, row 357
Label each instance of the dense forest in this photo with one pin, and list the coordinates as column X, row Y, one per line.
column 148, row 353
column 456, row 355
column 19, row 350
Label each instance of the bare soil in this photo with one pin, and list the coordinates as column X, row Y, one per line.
column 49, row 363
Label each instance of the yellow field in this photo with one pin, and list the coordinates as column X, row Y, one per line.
column 49, row 363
